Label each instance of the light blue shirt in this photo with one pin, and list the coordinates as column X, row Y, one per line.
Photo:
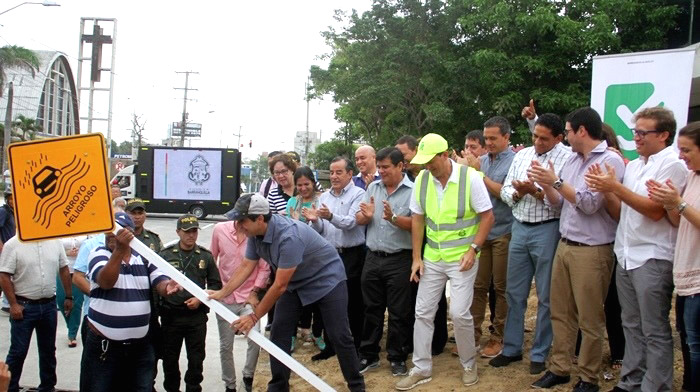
column 81, row 261
column 496, row 169
column 382, row 235
column 342, row 231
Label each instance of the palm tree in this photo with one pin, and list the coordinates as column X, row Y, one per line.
column 12, row 56
column 27, row 126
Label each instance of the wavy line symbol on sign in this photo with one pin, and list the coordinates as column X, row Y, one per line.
column 54, row 187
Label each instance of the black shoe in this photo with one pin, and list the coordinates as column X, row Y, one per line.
column 248, row 384
column 618, row 389
column 504, row 360
column 397, row 368
column 549, row 380
column 537, row 367
column 268, row 327
column 366, row 364
column 452, row 339
column 583, row 386
column 323, row 355
column 230, row 389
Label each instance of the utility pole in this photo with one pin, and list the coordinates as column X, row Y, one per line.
column 8, row 127
column 306, row 142
column 183, row 126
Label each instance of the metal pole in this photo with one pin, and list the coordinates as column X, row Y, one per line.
column 111, row 89
column 306, row 142
column 80, row 67
column 692, row 17
column 183, row 126
column 8, row 127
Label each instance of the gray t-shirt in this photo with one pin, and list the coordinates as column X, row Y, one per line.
column 290, row 243
column 382, row 235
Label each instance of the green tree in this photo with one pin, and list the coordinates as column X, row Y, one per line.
column 419, row 66
column 325, row 152
column 25, row 128
column 12, row 56
column 124, row 148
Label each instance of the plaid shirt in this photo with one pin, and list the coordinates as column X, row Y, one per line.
column 529, row 209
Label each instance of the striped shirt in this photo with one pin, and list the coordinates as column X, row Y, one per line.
column 278, row 200
column 529, row 209
column 122, row 312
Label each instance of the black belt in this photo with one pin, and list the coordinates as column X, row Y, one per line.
column 40, row 301
column 349, row 249
column 540, row 223
column 379, row 253
column 574, row 243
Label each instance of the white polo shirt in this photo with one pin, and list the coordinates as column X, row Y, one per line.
column 638, row 237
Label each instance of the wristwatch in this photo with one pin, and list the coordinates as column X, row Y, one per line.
column 681, row 207
column 476, row 247
column 393, row 218
column 558, row 184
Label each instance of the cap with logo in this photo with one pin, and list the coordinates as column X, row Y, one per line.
column 187, row 222
column 249, row 204
column 429, row 146
column 124, row 219
column 134, row 204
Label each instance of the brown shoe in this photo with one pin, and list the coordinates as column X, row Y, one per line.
column 492, row 349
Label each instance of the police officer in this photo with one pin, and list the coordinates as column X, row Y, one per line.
column 137, row 212
column 182, row 316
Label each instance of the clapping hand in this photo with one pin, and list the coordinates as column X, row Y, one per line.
column 599, row 181
column 388, row 213
column 523, row 188
column 667, row 195
column 310, row 214
column 542, row 175
column 324, row 212
column 367, row 209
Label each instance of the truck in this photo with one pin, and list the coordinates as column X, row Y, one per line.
column 201, row 181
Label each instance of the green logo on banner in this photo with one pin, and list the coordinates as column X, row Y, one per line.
column 633, row 96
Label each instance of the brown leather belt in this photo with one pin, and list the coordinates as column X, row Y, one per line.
column 40, row 301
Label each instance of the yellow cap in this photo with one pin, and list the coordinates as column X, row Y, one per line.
column 429, row 146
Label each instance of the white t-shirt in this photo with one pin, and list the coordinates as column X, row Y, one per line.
column 478, row 199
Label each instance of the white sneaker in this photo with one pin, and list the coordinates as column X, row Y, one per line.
column 470, row 376
column 412, row 380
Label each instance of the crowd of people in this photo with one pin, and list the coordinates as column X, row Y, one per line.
column 606, row 241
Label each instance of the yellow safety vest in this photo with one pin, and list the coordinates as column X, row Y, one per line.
column 452, row 225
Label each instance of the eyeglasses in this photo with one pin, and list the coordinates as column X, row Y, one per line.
column 642, row 133
column 281, row 172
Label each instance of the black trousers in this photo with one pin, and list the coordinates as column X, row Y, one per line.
column 386, row 285
column 353, row 259
column 333, row 310
column 190, row 327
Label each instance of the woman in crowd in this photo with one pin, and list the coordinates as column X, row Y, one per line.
column 282, row 168
column 685, row 212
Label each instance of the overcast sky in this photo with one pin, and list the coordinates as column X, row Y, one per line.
column 252, row 57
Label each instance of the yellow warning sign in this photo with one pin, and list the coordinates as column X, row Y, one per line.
column 61, row 187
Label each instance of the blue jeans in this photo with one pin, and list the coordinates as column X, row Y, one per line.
column 530, row 253
column 110, row 365
column 334, row 311
column 42, row 318
column 691, row 318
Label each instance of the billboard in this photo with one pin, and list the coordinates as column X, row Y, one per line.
column 624, row 84
column 186, row 174
column 191, row 130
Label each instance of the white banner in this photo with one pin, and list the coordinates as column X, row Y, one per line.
column 624, row 84
column 186, row 174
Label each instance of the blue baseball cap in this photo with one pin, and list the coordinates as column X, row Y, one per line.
column 124, row 219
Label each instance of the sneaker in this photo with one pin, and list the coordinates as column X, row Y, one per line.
column 537, row 367
column 492, row 349
column 323, row 355
column 248, row 384
column 549, row 380
column 268, row 327
column 583, row 386
column 411, row 381
column 306, row 335
column 366, row 364
column 398, row 368
column 470, row 376
column 320, row 343
column 504, row 360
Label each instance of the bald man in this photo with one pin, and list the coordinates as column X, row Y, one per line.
column 366, row 162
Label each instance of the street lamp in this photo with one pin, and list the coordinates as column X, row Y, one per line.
column 45, row 3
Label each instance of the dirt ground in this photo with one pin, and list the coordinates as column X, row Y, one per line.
column 446, row 368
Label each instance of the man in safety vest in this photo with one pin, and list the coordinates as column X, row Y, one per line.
column 450, row 202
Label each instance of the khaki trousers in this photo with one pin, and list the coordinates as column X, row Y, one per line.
column 580, row 279
column 493, row 262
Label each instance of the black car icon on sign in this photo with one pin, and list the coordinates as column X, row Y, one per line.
column 45, row 181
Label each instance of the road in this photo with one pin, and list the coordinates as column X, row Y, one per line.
column 68, row 368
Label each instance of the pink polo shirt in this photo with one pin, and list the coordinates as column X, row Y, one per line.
column 229, row 253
